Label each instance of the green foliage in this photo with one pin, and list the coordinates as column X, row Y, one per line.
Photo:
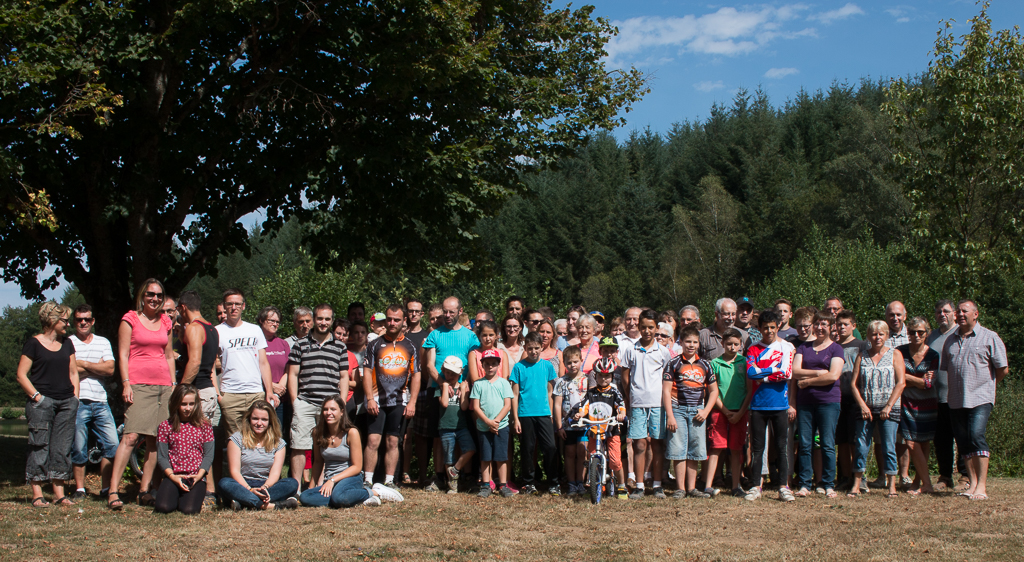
column 388, row 127
column 1005, row 432
column 9, row 413
column 16, row 325
column 959, row 140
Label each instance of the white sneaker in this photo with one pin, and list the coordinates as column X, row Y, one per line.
column 753, row 494
column 372, row 500
column 387, row 494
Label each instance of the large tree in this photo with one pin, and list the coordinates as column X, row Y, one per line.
column 134, row 135
column 959, row 139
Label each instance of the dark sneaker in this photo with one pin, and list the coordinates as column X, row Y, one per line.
column 485, row 492
column 529, row 490
column 555, row 491
column 393, row 485
column 636, row 494
column 506, row 492
column 78, row 495
column 738, row 493
column 695, row 493
column 287, row 503
column 659, row 493
column 678, row 494
column 432, row 487
column 711, row 492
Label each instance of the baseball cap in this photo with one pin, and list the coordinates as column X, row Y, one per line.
column 490, row 354
column 453, row 364
column 379, row 317
column 597, row 314
column 608, row 341
column 604, row 365
column 744, row 301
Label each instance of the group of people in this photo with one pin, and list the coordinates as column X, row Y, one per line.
column 791, row 399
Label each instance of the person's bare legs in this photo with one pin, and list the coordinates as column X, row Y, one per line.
column 37, row 490
column 630, row 467
column 297, row 465
column 149, row 466
column 919, row 454
column 657, row 451
column 79, row 471
column 979, row 464
column 502, row 472
column 844, row 453
column 370, row 452
column 690, row 472
column 903, row 459
column 391, row 456
column 680, row 468
column 124, row 451
column 640, row 447
column 712, row 467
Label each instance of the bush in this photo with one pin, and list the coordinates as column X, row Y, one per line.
column 9, row 413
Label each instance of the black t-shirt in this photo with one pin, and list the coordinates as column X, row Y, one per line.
column 50, row 371
column 210, row 349
column 417, row 338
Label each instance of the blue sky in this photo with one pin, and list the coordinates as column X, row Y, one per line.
column 699, row 54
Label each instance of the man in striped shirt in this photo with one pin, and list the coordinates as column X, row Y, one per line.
column 317, row 369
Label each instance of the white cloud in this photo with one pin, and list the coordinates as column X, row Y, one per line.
column 835, row 15
column 776, row 73
column 901, row 13
column 729, row 32
column 709, row 86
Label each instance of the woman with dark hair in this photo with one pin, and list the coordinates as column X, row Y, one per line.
column 920, row 401
column 146, row 366
column 184, row 453
column 512, row 337
column 338, row 462
column 48, row 373
column 269, row 320
column 256, row 455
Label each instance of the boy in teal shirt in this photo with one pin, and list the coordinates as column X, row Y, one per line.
column 533, row 381
column 729, row 418
column 492, row 399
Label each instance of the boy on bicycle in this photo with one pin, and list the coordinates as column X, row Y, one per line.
column 605, row 391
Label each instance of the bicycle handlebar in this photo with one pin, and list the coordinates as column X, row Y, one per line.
column 583, row 422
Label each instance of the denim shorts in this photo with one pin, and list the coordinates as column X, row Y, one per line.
column 646, row 422
column 689, row 442
column 451, row 437
column 494, row 446
column 94, row 417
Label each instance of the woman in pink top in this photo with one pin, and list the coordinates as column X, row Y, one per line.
column 586, row 327
column 146, row 363
column 548, row 351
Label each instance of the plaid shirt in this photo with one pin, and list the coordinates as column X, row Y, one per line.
column 970, row 362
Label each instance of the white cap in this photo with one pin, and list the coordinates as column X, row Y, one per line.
column 453, row 364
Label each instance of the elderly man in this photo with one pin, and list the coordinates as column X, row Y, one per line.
column 632, row 334
column 689, row 314
column 945, row 320
column 896, row 317
column 974, row 359
column 711, row 337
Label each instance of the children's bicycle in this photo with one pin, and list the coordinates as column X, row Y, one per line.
column 599, row 419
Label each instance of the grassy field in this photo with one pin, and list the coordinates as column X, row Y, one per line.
column 464, row 527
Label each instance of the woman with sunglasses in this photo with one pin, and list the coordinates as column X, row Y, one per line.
column 667, row 338
column 146, row 365
column 878, row 382
column 512, row 337
column 920, row 401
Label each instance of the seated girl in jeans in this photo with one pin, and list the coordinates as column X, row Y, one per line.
column 255, row 460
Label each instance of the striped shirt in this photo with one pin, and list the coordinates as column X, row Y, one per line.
column 970, row 363
column 96, row 351
column 320, row 367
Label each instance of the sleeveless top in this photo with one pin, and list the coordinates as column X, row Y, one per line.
column 878, row 381
column 554, row 359
column 514, row 357
column 210, row 349
column 147, row 363
column 336, row 459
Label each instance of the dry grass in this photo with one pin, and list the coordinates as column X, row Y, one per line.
column 464, row 527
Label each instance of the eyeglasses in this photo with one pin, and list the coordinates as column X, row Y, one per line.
column 84, row 320
column 234, row 304
column 917, row 332
column 64, row 320
column 272, row 322
column 152, row 295
column 420, row 312
column 664, row 336
column 512, row 326
column 803, row 326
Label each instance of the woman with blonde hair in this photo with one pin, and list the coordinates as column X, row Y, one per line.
column 146, row 366
column 878, row 382
column 256, row 456
column 48, row 374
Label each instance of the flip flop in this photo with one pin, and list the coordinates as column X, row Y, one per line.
column 915, row 492
column 40, row 502
column 853, row 495
column 977, row 497
column 892, row 495
column 830, row 493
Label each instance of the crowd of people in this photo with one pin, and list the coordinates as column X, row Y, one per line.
column 776, row 398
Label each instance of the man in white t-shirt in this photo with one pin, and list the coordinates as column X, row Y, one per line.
column 245, row 373
column 95, row 362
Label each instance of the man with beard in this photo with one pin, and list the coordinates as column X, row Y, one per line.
column 391, row 378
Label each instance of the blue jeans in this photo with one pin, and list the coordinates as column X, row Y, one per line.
column 229, row 489
column 97, row 418
column 887, row 429
column 969, row 426
column 689, row 442
column 451, row 437
column 821, row 419
column 347, row 493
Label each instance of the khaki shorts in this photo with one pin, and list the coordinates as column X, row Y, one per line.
column 233, row 408
column 304, row 416
column 147, row 410
column 208, row 402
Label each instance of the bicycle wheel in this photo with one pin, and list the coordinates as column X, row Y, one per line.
column 594, row 476
column 138, row 457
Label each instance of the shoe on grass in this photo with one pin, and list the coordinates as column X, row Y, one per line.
column 372, row 500
column 695, row 493
column 529, row 490
column 555, row 491
column 485, row 492
column 387, row 494
column 753, row 494
column 636, row 494
column 621, row 493
column 679, row 494
column 506, row 492
column 659, row 493
column 786, row 495
column 432, row 487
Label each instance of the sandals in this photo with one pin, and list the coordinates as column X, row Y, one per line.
column 830, row 493
column 853, row 495
column 114, row 502
column 63, row 501
column 406, row 480
column 892, row 495
column 802, row 493
column 977, row 497
column 146, row 499
column 40, row 502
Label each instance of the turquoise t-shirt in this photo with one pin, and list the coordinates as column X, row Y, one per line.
column 449, row 341
column 492, row 395
column 533, row 379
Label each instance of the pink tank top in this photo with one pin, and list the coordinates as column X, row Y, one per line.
column 147, row 363
column 480, row 365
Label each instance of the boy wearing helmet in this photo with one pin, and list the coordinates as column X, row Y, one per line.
column 605, row 391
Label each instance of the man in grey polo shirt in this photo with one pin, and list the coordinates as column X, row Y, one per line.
column 974, row 359
column 711, row 337
column 945, row 319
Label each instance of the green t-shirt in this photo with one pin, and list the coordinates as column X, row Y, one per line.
column 492, row 395
column 732, row 381
column 452, row 416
